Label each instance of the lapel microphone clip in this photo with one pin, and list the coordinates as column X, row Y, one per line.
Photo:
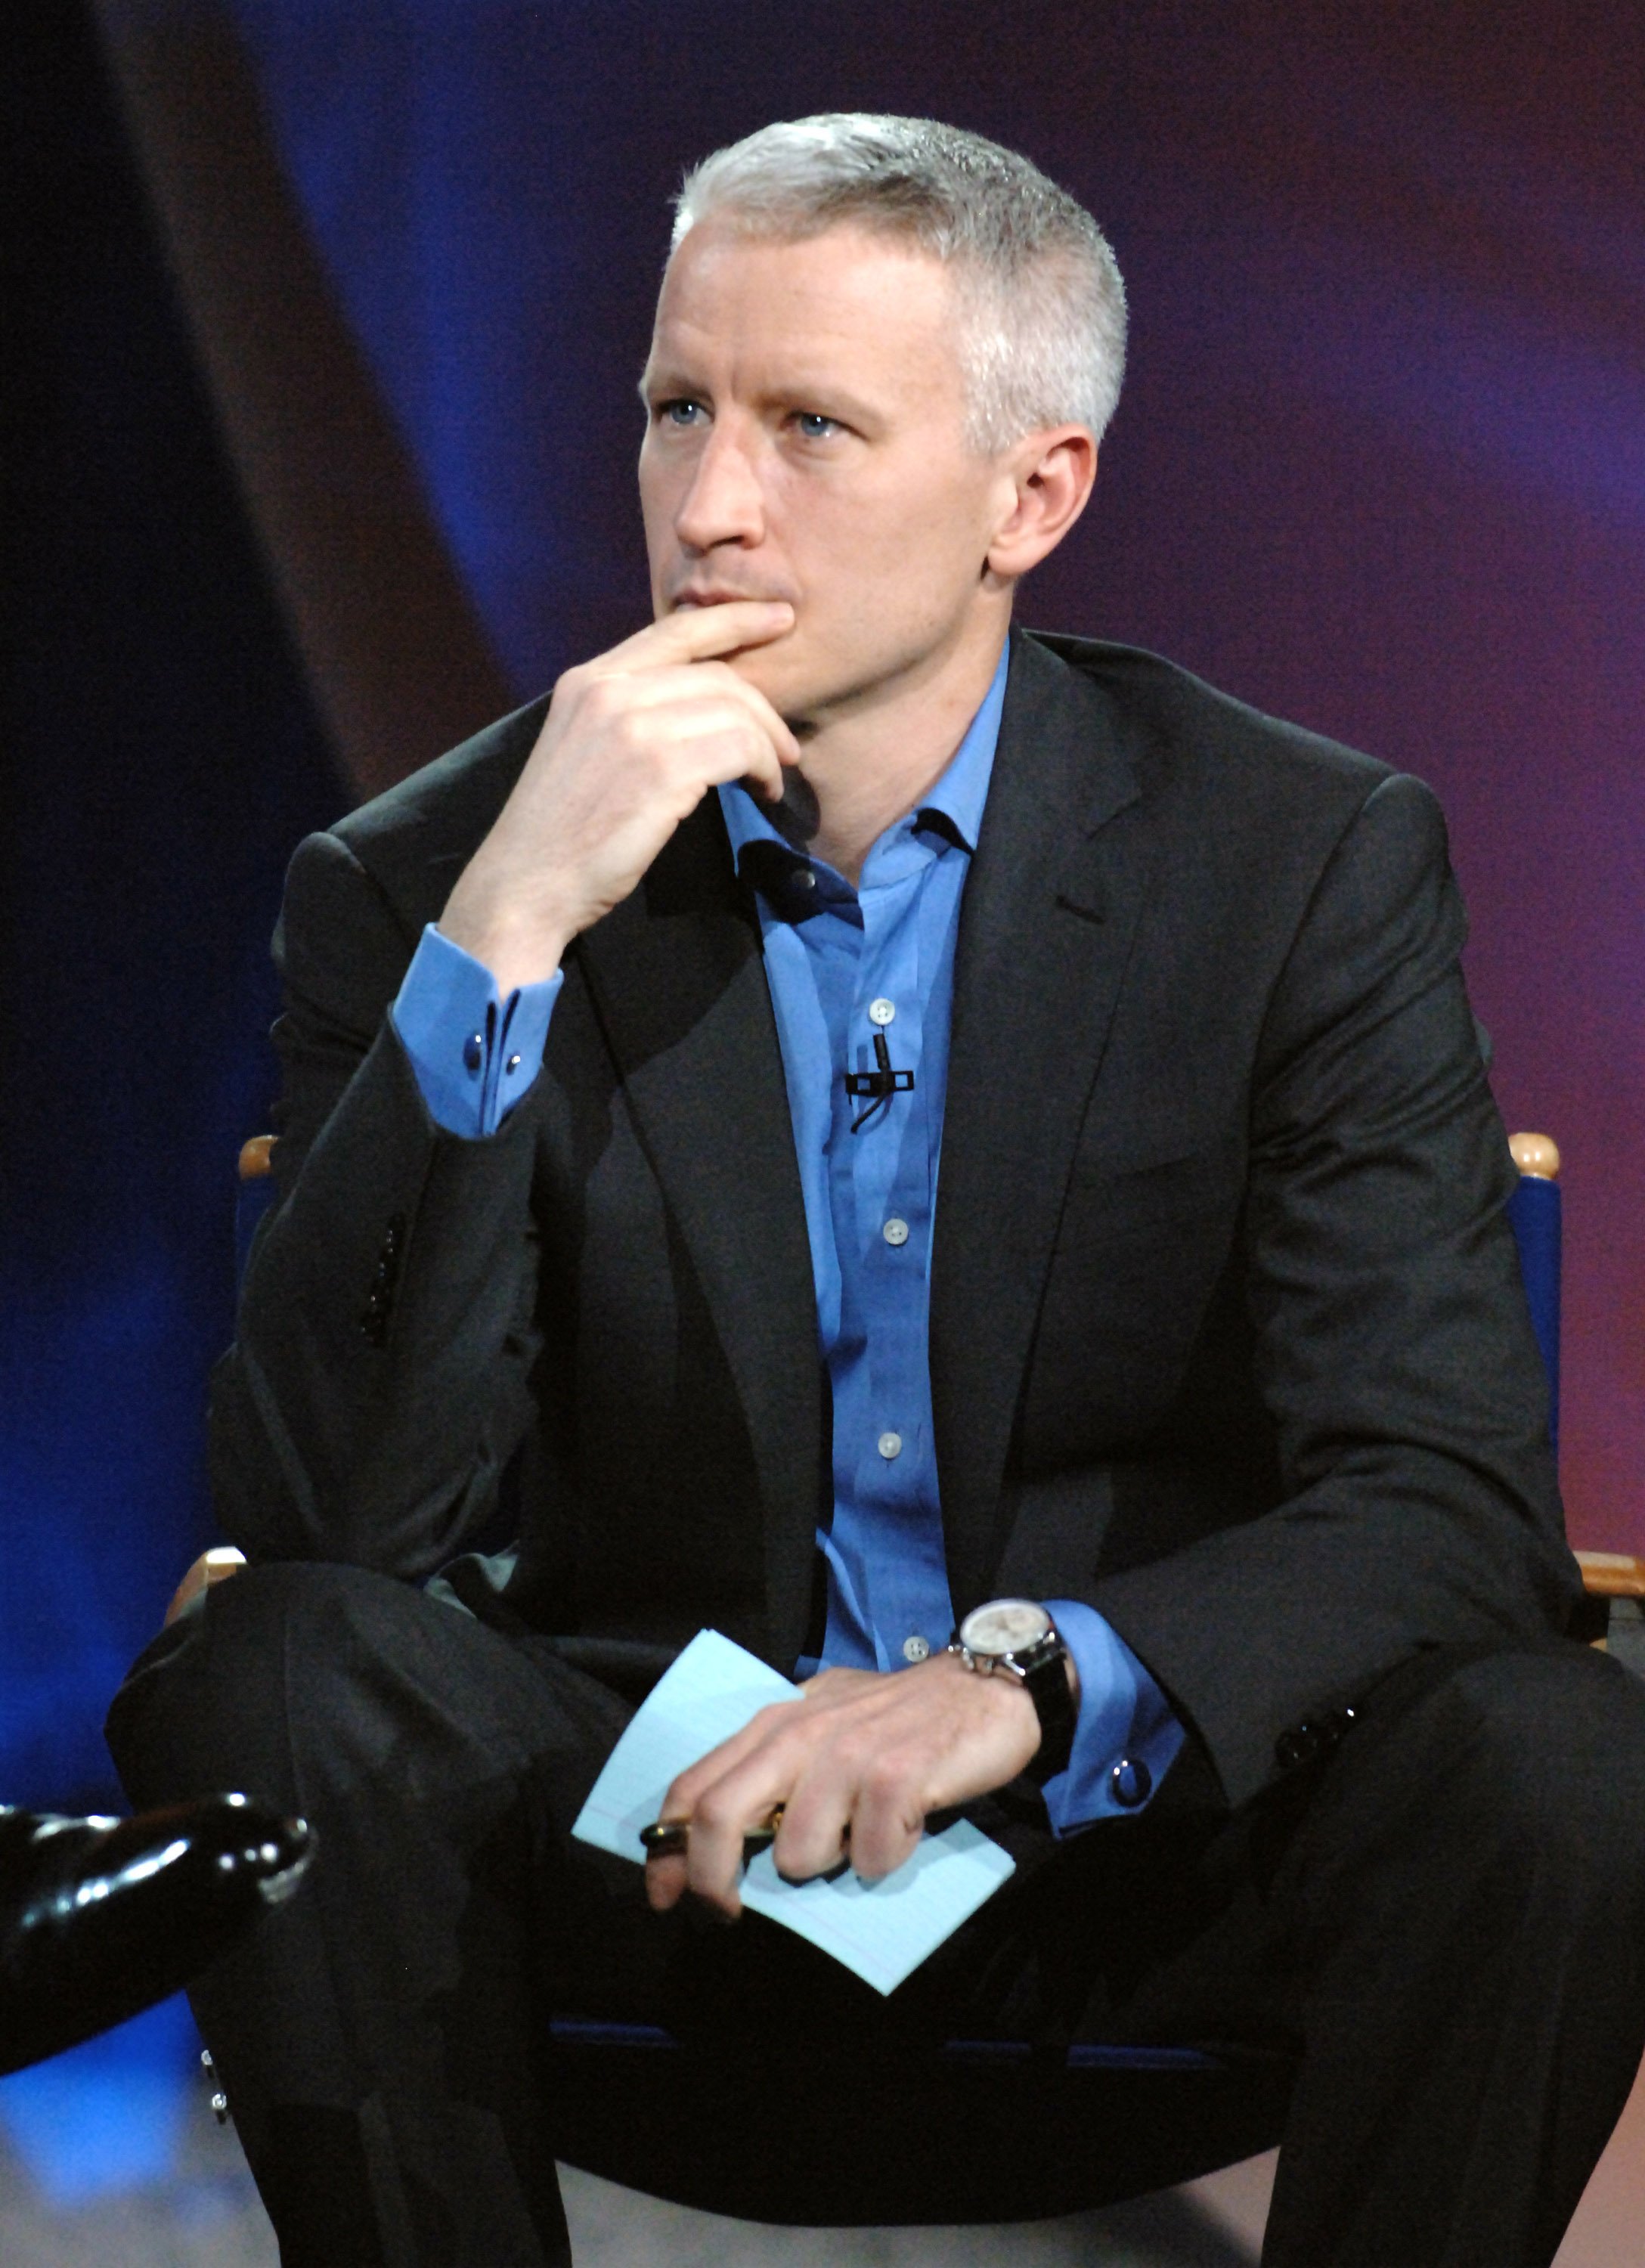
column 879, row 1085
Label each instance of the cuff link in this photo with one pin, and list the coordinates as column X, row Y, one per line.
column 1131, row 1783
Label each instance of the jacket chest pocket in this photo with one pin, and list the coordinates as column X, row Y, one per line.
column 1123, row 1195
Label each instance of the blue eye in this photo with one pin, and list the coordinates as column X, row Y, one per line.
column 813, row 426
column 683, row 413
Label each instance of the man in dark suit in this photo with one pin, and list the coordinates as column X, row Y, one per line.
column 608, row 1296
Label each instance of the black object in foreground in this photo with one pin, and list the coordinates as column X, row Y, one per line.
column 101, row 1918
column 665, row 1838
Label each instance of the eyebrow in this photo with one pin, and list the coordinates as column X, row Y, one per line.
column 664, row 383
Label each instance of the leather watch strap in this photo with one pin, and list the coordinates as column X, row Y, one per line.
column 1045, row 1674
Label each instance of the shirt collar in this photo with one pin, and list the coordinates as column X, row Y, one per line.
column 955, row 800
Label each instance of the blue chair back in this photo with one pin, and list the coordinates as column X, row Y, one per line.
column 1534, row 1212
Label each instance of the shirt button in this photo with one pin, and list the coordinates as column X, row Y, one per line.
column 890, row 1445
column 881, row 1012
column 915, row 1648
column 473, row 1052
column 895, row 1232
column 513, row 1065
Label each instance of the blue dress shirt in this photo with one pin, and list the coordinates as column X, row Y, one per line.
column 846, row 967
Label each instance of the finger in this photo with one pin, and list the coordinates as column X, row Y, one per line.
column 803, row 1765
column 815, row 1832
column 774, row 723
column 662, row 761
column 702, row 633
column 862, row 1793
column 678, row 685
column 684, row 1793
column 665, row 1882
column 726, row 1796
column 724, row 1818
column 888, row 1815
column 713, row 742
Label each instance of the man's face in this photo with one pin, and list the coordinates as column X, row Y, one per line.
column 805, row 440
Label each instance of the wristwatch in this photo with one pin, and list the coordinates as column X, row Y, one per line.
column 1014, row 1638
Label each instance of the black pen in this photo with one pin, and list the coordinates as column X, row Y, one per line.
column 664, row 1838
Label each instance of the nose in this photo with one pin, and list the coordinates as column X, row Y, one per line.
column 723, row 502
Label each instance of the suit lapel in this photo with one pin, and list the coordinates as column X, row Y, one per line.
column 677, row 979
column 1050, row 913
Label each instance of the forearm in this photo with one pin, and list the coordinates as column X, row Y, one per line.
column 376, row 1433
column 377, row 1384
column 1310, row 1605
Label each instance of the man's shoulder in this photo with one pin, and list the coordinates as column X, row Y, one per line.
column 1177, row 733
column 442, row 811
column 359, row 894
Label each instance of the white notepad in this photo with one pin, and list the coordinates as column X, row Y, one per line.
column 881, row 1930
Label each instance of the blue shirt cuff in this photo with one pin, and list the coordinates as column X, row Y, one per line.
column 1126, row 1740
column 475, row 1054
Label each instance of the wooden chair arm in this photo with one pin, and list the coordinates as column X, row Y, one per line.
column 210, row 1567
column 1612, row 1575
column 256, row 1156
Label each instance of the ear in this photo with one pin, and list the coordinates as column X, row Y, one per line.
column 1047, row 479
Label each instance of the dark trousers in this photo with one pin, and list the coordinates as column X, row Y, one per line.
column 1444, row 1922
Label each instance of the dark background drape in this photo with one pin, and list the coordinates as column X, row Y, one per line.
column 161, row 753
column 319, row 427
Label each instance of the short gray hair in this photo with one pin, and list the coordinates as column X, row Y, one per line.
column 1043, row 307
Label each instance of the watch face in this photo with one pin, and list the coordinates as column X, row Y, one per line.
column 1003, row 1626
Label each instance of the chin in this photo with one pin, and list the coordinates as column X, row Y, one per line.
column 781, row 676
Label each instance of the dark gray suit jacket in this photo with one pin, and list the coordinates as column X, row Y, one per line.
column 1227, row 1331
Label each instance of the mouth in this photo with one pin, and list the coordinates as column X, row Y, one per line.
column 715, row 596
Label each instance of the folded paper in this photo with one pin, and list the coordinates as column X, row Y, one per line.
column 882, row 1931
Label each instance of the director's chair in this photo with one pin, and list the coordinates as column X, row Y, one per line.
column 972, row 2130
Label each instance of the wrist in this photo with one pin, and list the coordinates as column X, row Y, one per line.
column 517, row 949
column 1015, row 1640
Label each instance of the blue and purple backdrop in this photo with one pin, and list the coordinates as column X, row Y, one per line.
column 319, row 424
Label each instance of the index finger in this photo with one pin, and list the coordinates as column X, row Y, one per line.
column 704, row 633
column 708, row 1857
column 681, row 1799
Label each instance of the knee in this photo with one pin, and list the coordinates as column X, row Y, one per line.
column 209, row 1704
column 301, row 1610
column 1543, row 1765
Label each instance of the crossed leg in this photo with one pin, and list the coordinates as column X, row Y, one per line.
column 1447, row 1922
